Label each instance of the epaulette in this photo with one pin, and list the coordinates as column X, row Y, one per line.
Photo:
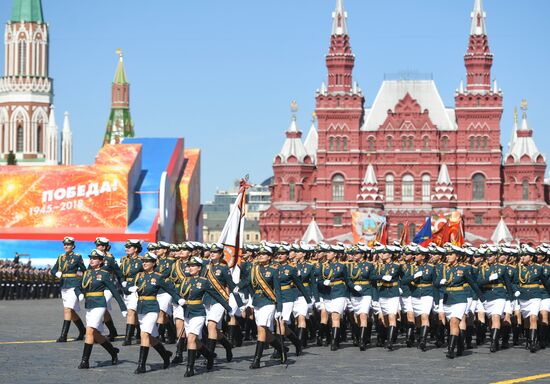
column 158, row 273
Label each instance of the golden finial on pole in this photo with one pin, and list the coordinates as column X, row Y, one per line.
column 119, row 53
column 294, row 106
column 524, row 105
column 515, row 115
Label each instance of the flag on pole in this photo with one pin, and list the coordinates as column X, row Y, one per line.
column 405, row 235
column 232, row 232
column 382, row 234
column 425, row 233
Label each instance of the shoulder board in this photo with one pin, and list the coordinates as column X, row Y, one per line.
column 157, row 273
column 203, row 278
column 430, row 264
column 104, row 271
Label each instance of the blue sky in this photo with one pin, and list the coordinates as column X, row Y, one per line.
column 222, row 73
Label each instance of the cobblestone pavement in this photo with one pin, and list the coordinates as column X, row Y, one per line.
column 49, row 362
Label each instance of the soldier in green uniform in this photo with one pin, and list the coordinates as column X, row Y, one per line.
column 94, row 283
column 267, row 301
column 66, row 269
column 131, row 265
column 193, row 292
column 542, row 260
column 247, row 314
column 147, row 285
column 164, row 266
column 302, row 308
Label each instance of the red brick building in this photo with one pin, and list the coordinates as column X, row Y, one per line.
column 408, row 156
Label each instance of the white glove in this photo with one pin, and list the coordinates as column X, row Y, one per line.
column 326, row 283
column 418, row 274
column 181, row 302
column 124, row 313
column 386, row 278
column 443, row 281
column 133, row 289
column 278, row 315
column 124, row 284
column 236, row 289
column 493, row 276
column 233, row 311
column 436, row 307
column 400, row 291
column 58, row 275
column 357, row 288
column 517, row 293
column 81, row 297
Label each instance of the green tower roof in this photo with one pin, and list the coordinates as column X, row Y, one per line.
column 27, row 10
column 120, row 75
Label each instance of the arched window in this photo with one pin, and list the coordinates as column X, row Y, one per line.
column 426, row 187
column 331, row 143
column 400, row 228
column 389, row 142
column 22, row 56
column 485, row 141
column 525, row 187
column 478, row 142
column 407, row 189
column 371, row 143
column 292, row 191
column 426, row 142
column 404, row 143
column 445, row 143
column 338, row 188
column 478, row 182
column 345, row 143
column 412, row 231
column 389, row 187
column 19, row 144
column 338, row 148
column 471, row 143
column 411, row 142
column 39, row 139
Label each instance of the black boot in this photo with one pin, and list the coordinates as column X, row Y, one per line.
column 334, row 342
column 423, row 338
column 382, row 333
column 363, row 338
column 532, row 340
column 81, row 329
column 112, row 351
column 164, row 354
column 460, row 343
column 301, row 334
column 355, row 334
column 515, row 334
column 505, row 336
column 178, row 358
column 410, row 335
column 469, row 336
column 209, row 354
column 138, row 333
column 280, row 348
column 128, row 338
column 237, row 336
column 391, row 335
column 191, row 357
column 228, row 349
column 495, row 333
column 483, row 332
column 369, row 332
column 452, row 345
column 64, row 331
column 112, row 330
column 440, row 336
column 543, row 328
column 171, row 332
column 85, row 363
column 295, row 341
column 479, row 332
column 247, row 329
column 143, row 352
column 320, row 335
column 257, row 355
column 162, row 331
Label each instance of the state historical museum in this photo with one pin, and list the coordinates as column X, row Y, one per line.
column 408, row 156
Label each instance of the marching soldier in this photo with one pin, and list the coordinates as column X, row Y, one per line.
column 164, row 267
column 66, row 269
column 131, row 265
column 94, row 283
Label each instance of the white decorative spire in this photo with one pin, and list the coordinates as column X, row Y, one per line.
column 313, row 233
column 478, row 19
column 522, row 141
column 444, row 190
column 461, row 88
column 369, row 187
column 312, row 140
column 66, row 142
column 339, row 19
column 502, row 233
column 323, row 88
column 52, row 156
column 293, row 146
column 495, row 87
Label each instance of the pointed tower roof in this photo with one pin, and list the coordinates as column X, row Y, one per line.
column 66, row 124
column 120, row 74
column 339, row 19
column 501, row 233
column 313, row 233
column 444, row 190
column 293, row 146
column 523, row 144
column 27, row 10
column 51, row 119
column 369, row 187
column 479, row 26
column 312, row 140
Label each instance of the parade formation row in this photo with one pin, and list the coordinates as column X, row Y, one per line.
column 23, row 282
column 185, row 294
